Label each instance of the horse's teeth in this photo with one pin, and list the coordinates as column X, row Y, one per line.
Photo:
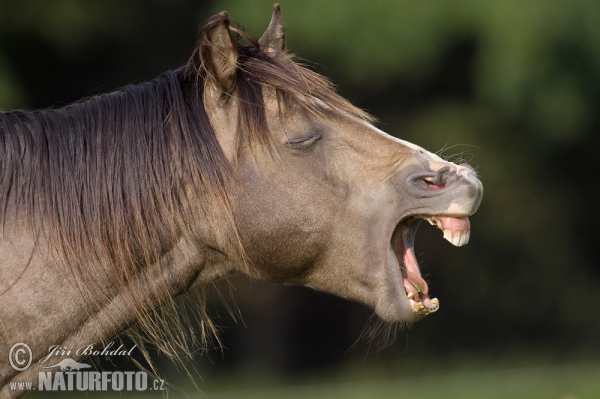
column 465, row 237
column 448, row 234
column 435, row 305
column 410, row 295
column 459, row 238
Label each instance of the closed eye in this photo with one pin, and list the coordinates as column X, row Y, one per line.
column 303, row 142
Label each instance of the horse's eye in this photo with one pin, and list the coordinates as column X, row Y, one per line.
column 303, row 142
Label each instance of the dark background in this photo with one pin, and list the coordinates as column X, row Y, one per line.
column 512, row 87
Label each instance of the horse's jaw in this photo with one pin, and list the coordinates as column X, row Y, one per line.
column 457, row 231
column 403, row 294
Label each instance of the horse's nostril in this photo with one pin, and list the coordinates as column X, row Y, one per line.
column 444, row 172
column 434, row 184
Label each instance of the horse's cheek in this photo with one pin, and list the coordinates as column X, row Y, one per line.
column 282, row 229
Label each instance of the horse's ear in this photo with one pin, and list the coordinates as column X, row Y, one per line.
column 272, row 41
column 223, row 53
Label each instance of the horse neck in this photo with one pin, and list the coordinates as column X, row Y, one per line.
column 44, row 306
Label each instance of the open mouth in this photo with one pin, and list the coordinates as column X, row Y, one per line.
column 456, row 230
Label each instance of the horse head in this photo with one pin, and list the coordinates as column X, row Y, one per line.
column 328, row 200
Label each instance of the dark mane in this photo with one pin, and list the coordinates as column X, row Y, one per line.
column 102, row 173
column 119, row 176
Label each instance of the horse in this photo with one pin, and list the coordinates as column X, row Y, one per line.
column 243, row 160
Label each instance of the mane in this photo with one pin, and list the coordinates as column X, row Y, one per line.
column 119, row 176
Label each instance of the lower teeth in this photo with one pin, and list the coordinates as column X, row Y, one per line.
column 421, row 309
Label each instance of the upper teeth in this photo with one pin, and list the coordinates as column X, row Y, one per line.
column 459, row 238
column 456, row 237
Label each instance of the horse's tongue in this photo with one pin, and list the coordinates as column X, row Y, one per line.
column 456, row 230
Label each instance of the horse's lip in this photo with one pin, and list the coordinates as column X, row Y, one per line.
column 456, row 230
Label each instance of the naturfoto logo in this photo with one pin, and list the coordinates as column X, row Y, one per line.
column 96, row 381
column 71, row 375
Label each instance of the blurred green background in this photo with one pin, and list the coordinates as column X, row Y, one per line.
column 512, row 87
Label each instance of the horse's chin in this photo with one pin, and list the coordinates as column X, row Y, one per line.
column 415, row 292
